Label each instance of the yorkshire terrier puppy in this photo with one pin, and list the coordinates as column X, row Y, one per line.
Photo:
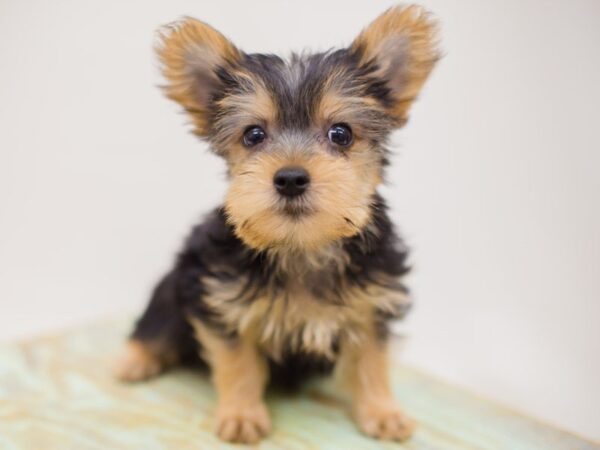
column 299, row 271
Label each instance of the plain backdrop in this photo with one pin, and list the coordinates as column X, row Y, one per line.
column 495, row 182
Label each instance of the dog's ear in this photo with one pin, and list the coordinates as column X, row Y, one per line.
column 400, row 48
column 192, row 53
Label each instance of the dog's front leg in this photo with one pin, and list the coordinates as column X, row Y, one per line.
column 363, row 370
column 240, row 374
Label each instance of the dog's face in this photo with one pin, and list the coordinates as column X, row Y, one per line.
column 304, row 139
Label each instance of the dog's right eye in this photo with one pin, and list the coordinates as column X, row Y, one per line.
column 254, row 135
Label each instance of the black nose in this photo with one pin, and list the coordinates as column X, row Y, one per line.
column 291, row 181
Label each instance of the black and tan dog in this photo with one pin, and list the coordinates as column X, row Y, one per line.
column 299, row 271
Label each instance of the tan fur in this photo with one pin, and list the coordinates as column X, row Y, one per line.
column 411, row 32
column 302, row 237
column 339, row 197
column 363, row 369
column 143, row 360
column 239, row 374
column 294, row 318
column 346, row 106
column 181, row 47
column 252, row 108
column 304, row 324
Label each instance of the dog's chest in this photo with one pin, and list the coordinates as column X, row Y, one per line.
column 295, row 317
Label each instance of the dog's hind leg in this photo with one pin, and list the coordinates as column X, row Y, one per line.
column 161, row 338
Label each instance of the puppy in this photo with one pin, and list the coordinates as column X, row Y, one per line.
column 299, row 271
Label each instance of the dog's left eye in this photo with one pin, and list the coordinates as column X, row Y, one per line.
column 340, row 134
column 254, row 135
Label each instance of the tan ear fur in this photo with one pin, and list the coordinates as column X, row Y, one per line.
column 402, row 42
column 190, row 52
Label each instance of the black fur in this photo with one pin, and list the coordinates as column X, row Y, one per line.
column 213, row 244
column 297, row 96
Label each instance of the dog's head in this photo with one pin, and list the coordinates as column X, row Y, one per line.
column 304, row 138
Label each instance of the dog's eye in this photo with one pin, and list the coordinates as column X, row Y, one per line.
column 340, row 134
column 254, row 135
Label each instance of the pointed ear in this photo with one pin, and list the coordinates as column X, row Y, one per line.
column 400, row 47
column 191, row 54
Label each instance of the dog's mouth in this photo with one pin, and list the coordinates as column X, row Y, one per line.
column 295, row 208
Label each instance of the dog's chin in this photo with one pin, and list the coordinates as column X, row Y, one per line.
column 293, row 228
column 296, row 224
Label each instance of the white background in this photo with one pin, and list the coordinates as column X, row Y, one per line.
column 495, row 183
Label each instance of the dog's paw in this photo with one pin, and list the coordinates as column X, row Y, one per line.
column 243, row 424
column 137, row 363
column 384, row 421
